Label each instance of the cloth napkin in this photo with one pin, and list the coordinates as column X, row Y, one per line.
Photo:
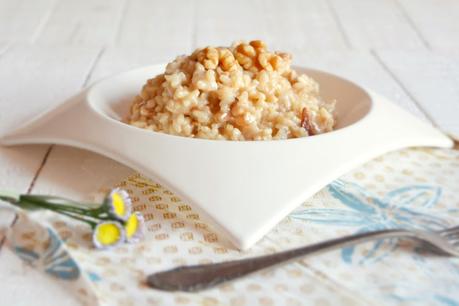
column 414, row 188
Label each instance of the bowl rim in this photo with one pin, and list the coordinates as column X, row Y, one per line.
column 94, row 90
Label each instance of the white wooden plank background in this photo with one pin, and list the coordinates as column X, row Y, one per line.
column 38, row 78
column 376, row 24
column 436, row 21
column 22, row 20
column 49, row 49
column 82, row 22
column 221, row 22
column 166, row 27
column 316, row 28
column 3, row 48
column 432, row 81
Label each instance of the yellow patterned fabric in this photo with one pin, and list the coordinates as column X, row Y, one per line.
column 412, row 188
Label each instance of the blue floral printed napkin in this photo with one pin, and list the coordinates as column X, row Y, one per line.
column 416, row 188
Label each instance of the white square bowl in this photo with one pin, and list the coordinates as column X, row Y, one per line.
column 243, row 187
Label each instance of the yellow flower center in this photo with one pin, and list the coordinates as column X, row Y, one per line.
column 118, row 204
column 131, row 225
column 108, row 234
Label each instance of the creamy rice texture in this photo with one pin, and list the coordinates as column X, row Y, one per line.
column 243, row 92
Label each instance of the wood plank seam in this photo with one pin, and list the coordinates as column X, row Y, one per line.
column 3, row 240
column 50, row 148
column 75, row 31
column 41, row 26
column 402, row 86
column 93, row 66
column 412, row 24
column 7, row 48
column 4, row 50
column 339, row 24
column 40, row 168
column 124, row 8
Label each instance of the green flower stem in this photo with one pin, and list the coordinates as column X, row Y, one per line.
column 89, row 216
column 70, row 211
column 39, row 200
column 31, row 202
column 8, row 199
column 27, row 204
column 87, row 221
column 99, row 210
column 42, row 202
column 50, row 199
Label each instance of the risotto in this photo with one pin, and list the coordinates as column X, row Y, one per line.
column 242, row 92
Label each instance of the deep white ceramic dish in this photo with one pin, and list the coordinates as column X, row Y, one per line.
column 244, row 188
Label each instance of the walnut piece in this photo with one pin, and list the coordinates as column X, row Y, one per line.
column 227, row 60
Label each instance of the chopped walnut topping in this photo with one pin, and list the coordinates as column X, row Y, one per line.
column 258, row 44
column 227, row 60
column 208, row 58
column 254, row 57
column 241, row 92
